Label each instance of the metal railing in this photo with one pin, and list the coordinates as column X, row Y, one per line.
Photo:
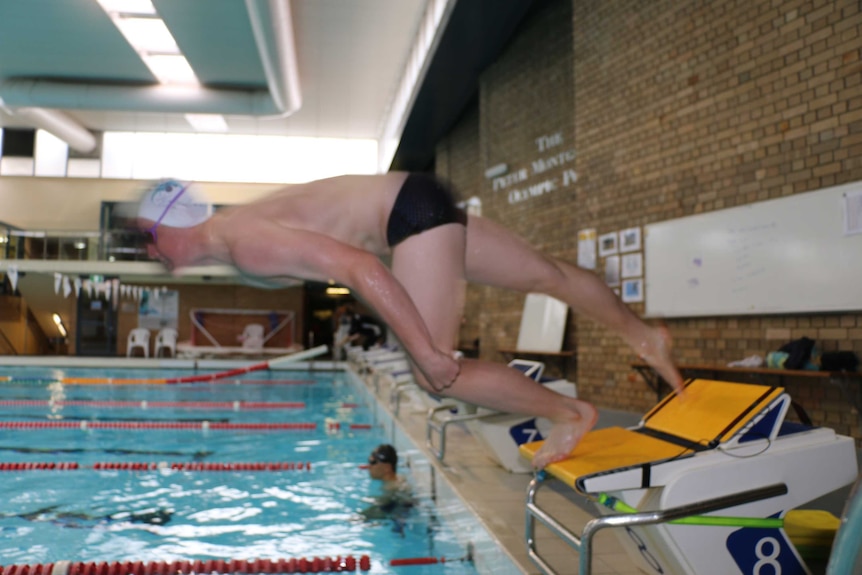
column 583, row 543
column 112, row 245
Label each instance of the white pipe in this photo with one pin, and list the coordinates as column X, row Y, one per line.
column 273, row 32
column 272, row 25
column 161, row 98
column 61, row 125
column 300, row 355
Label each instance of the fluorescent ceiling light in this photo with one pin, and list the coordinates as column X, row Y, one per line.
column 170, row 69
column 128, row 6
column 337, row 291
column 140, row 25
column 207, row 122
column 147, row 35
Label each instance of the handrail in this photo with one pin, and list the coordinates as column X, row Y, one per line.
column 89, row 245
column 583, row 543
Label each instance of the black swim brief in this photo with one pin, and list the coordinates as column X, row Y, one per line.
column 424, row 202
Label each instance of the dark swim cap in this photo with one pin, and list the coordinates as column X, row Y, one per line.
column 386, row 454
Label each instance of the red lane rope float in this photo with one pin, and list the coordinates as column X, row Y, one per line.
column 432, row 560
column 198, row 466
column 416, row 561
column 38, row 466
column 267, row 381
column 81, row 381
column 201, row 425
column 152, row 465
column 315, row 351
column 337, row 564
column 144, row 404
column 335, row 426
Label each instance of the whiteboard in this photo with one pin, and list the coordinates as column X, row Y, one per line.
column 788, row 255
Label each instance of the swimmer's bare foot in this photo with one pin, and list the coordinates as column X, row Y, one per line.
column 655, row 347
column 565, row 435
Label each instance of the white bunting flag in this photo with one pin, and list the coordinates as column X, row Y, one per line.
column 12, row 274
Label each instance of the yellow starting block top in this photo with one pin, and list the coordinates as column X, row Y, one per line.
column 711, row 412
column 608, row 450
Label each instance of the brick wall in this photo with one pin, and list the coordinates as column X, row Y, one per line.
column 673, row 109
column 523, row 116
column 701, row 106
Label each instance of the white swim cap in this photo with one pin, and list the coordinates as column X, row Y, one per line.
column 176, row 204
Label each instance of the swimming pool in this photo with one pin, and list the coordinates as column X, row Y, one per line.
column 139, row 472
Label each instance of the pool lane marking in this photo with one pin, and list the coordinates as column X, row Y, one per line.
column 340, row 563
column 197, row 425
column 132, row 381
column 154, row 465
column 146, row 404
column 85, row 425
column 290, row 358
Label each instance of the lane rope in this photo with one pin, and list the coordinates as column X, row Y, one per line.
column 74, row 381
column 154, row 465
column 138, row 425
column 282, row 360
column 407, row 561
column 336, row 564
column 146, row 404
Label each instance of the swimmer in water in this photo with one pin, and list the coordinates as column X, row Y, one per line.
column 396, row 501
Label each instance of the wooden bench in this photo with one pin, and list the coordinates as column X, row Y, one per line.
column 848, row 382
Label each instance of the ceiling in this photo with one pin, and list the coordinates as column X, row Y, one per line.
column 350, row 57
column 66, row 60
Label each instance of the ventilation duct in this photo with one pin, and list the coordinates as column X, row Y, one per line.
column 273, row 31
column 272, row 25
column 159, row 98
column 60, row 125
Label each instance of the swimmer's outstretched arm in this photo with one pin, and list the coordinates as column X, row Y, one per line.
column 273, row 251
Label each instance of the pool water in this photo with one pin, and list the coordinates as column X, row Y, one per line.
column 309, row 507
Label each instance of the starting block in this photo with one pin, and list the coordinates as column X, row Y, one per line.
column 722, row 455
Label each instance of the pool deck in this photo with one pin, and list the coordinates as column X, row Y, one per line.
column 498, row 498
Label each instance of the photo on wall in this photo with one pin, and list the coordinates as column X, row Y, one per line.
column 587, row 249
column 632, row 265
column 630, row 240
column 633, row 290
column 608, row 244
column 158, row 309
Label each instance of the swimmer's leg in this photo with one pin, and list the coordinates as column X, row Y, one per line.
column 430, row 266
column 504, row 389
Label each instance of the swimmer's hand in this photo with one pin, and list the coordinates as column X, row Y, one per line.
column 442, row 371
